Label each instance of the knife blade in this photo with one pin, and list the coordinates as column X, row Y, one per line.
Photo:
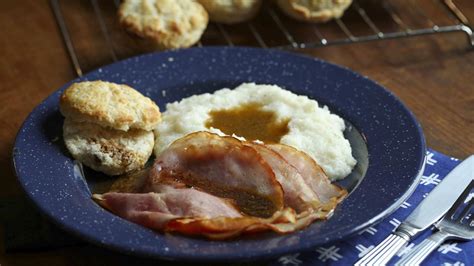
column 430, row 210
column 438, row 202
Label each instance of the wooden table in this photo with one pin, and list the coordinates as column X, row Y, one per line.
column 433, row 76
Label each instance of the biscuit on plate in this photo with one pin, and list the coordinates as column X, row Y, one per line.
column 110, row 151
column 231, row 11
column 168, row 23
column 109, row 105
column 314, row 10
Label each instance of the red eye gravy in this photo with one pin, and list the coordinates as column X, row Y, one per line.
column 250, row 122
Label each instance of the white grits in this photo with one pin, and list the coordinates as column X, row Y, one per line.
column 312, row 129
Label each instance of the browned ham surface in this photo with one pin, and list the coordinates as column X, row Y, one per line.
column 222, row 166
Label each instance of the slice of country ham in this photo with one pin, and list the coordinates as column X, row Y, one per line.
column 298, row 195
column 283, row 222
column 155, row 210
column 311, row 172
column 191, row 212
column 221, row 166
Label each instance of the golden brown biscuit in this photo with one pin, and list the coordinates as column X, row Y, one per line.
column 314, row 10
column 109, row 105
column 231, row 11
column 110, row 151
column 169, row 23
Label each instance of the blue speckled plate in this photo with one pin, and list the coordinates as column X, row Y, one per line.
column 387, row 141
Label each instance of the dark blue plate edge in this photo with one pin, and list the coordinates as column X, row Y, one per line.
column 219, row 258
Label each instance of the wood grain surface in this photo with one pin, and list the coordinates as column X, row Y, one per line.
column 432, row 75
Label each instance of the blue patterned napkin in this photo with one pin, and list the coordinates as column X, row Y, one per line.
column 349, row 251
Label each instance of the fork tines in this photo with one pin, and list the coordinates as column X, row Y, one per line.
column 464, row 212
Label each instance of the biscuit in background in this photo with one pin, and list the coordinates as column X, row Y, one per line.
column 113, row 152
column 168, row 23
column 110, row 105
column 314, row 10
column 231, row 11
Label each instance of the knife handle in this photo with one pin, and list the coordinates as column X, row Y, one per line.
column 384, row 251
column 422, row 250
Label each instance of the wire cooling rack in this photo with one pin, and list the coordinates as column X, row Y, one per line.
column 361, row 23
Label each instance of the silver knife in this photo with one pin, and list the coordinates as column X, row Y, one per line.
column 430, row 210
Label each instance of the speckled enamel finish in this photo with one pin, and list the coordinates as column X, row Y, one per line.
column 395, row 146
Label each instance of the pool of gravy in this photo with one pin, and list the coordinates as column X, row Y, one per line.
column 249, row 121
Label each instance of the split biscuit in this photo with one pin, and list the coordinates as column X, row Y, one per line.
column 231, row 11
column 314, row 10
column 168, row 23
column 109, row 105
column 110, row 151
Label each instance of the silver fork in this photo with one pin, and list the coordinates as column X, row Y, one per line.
column 454, row 225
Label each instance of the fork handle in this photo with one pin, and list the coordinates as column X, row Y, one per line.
column 421, row 252
column 384, row 251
